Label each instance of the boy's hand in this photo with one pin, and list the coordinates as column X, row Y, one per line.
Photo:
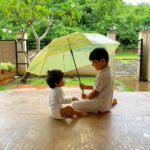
column 74, row 99
column 84, row 96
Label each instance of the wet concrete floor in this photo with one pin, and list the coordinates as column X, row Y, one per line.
column 133, row 83
column 25, row 124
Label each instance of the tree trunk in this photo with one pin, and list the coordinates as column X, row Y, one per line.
column 38, row 42
column 24, row 78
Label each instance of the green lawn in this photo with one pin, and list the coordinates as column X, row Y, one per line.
column 122, row 87
column 126, row 55
column 68, row 82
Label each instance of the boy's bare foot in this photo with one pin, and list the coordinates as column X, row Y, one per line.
column 114, row 101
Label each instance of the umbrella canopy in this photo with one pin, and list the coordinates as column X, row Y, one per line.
column 56, row 55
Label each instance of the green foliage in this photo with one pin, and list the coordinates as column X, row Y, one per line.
column 76, row 15
column 7, row 66
column 18, row 13
column 25, row 9
column 130, row 23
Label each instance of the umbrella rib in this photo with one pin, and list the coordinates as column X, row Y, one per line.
column 43, row 61
column 63, row 61
column 71, row 40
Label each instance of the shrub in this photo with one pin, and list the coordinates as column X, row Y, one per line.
column 7, row 66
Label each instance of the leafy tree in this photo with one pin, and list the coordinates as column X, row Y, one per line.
column 25, row 13
column 29, row 12
column 76, row 15
column 101, row 15
column 131, row 22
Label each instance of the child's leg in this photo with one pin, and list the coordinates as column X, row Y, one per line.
column 114, row 101
column 68, row 111
column 86, row 106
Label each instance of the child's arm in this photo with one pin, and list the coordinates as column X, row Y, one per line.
column 83, row 87
column 66, row 100
column 62, row 98
column 91, row 95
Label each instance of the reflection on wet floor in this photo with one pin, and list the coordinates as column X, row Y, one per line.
column 134, row 83
column 25, row 123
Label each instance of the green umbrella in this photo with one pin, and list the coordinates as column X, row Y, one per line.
column 69, row 52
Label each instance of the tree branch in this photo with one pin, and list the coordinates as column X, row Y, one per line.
column 47, row 30
column 34, row 32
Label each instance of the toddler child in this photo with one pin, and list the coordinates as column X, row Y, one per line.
column 56, row 97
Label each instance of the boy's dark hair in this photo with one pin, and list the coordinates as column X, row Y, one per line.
column 98, row 54
column 53, row 77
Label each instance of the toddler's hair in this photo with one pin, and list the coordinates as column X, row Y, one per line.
column 98, row 54
column 53, row 77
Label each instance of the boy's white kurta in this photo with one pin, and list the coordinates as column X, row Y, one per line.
column 104, row 85
column 103, row 102
column 56, row 99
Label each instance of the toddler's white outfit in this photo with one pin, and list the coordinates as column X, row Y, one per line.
column 56, row 99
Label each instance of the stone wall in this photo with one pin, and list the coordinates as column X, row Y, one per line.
column 8, row 51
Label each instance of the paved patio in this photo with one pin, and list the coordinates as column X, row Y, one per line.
column 25, row 124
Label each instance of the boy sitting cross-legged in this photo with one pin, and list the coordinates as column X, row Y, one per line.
column 100, row 97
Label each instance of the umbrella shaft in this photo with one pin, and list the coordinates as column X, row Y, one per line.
column 75, row 66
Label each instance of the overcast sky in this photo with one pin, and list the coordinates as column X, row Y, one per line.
column 136, row 1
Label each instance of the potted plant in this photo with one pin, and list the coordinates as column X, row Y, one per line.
column 0, row 69
column 3, row 68
column 6, row 67
column 10, row 66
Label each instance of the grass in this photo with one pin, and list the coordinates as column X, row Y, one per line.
column 127, row 55
column 3, row 87
column 75, row 80
column 122, row 87
column 36, row 81
column 71, row 81
column 68, row 82
column 9, row 85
